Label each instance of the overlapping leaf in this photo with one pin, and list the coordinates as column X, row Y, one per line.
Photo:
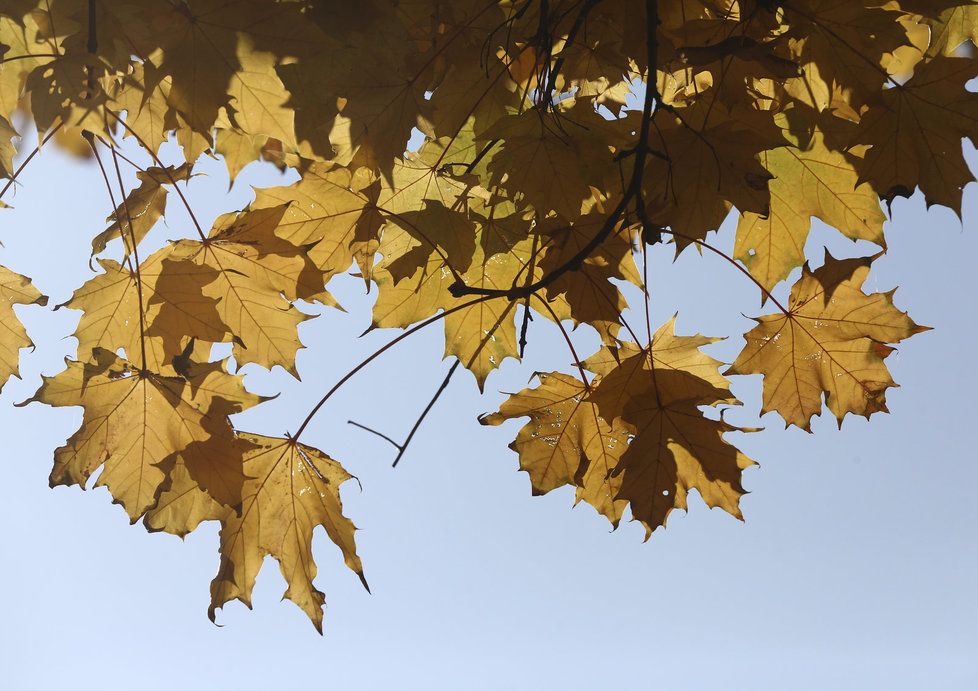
column 814, row 181
column 135, row 421
column 14, row 290
column 290, row 489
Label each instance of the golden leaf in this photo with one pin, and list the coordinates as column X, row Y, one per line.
column 533, row 147
column 188, row 417
column 655, row 395
column 831, row 341
column 253, row 276
column 566, row 442
column 815, row 181
column 14, row 290
column 7, row 149
column 332, row 213
column 290, row 489
column 953, row 27
column 143, row 206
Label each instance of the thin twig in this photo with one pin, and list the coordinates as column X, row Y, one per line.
column 135, row 256
column 186, row 204
column 20, row 168
column 374, row 432
column 431, row 404
column 377, row 353
column 448, row 377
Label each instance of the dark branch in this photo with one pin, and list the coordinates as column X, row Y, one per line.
column 633, row 191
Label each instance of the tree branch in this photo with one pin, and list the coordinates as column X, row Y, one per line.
column 641, row 150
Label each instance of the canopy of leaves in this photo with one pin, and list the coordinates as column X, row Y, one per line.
column 560, row 139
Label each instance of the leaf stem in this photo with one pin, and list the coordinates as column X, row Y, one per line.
column 135, row 256
column 767, row 293
column 186, row 204
column 28, row 56
column 570, row 344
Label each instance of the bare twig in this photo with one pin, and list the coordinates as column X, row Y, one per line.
column 377, row 353
column 20, row 168
column 431, row 404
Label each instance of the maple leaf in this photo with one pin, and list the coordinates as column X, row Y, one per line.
column 658, row 444
column 237, row 149
column 14, row 290
column 832, row 340
column 173, row 310
column 332, row 213
column 693, row 192
column 814, row 181
column 251, row 276
column 566, row 442
column 533, row 146
column 219, row 59
column 656, row 394
column 839, row 46
column 142, row 207
column 915, row 131
column 289, row 490
column 294, row 490
column 953, row 27
column 188, row 417
column 20, row 38
column 7, row 148
column 143, row 94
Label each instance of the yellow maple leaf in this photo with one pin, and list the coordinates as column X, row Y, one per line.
column 14, row 290
column 840, row 47
column 143, row 207
column 174, row 309
column 832, row 341
column 290, row 490
column 117, row 435
column 566, row 442
column 953, row 27
column 332, row 212
column 254, row 275
column 915, row 131
column 814, row 181
column 533, row 148
column 655, row 395
column 7, row 148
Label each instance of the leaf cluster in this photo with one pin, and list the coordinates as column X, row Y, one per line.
column 561, row 138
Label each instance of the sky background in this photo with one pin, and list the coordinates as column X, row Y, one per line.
column 855, row 569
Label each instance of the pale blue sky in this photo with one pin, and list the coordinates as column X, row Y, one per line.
column 856, row 568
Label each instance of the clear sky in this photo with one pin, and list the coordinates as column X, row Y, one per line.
column 856, row 567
